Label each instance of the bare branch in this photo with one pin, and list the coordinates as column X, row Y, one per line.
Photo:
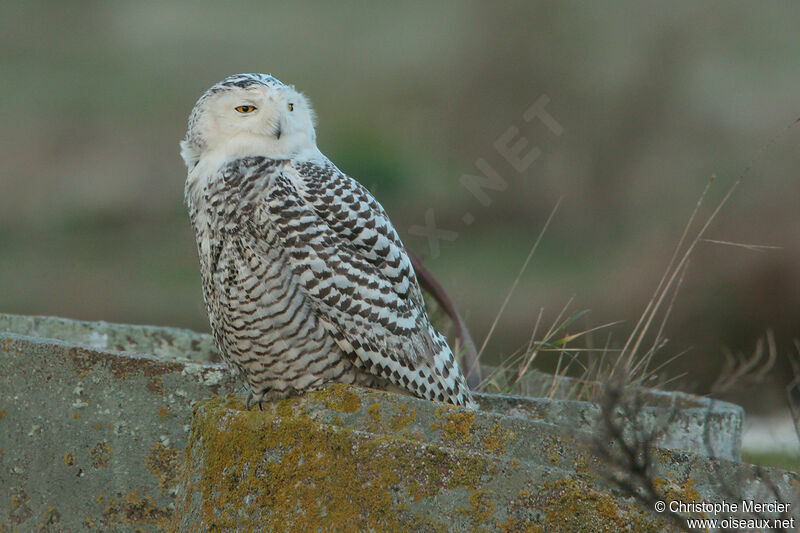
column 740, row 368
column 793, row 389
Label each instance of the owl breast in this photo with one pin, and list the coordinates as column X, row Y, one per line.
column 262, row 321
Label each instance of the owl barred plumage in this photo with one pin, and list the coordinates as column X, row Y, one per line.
column 305, row 280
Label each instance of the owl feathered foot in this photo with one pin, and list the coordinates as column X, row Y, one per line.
column 250, row 401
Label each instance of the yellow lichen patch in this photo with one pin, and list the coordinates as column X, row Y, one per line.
column 555, row 448
column 469, row 472
column 297, row 474
column 512, row 525
column 155, row 385
column 284, row 407
column 50, row 516
column 672, row 490
column 582, row 468
column 374, row 418
column 163, row 463
column 497, row 439
column 100, row 454
column 133, row 509
column 480, row 506
column 568, row 505
column 374, row 412
column 76, row 415
column 339, row 398
column 97, row 426
column 402, row 417
column 2, row 414
column 18, row 500
column 642, row 520
column 69, row 459
column 457, row 426
column 163, row 414
column 414, row 490
column 313, row 482
column 443, row 410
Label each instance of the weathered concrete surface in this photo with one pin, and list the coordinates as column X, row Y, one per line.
column 289, row 472
column 167, row 343
column 92, row 439
column 93, row 436
column 679, row 421
column 357, row 459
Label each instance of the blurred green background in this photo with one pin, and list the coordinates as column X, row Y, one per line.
column 655, row 98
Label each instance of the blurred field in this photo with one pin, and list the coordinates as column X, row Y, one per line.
column 655, row 98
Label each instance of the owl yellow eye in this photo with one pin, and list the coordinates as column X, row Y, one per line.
column 291, row 107
column 245, row 108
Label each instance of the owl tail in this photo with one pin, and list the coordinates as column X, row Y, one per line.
column 436, row 377
column 439, row 378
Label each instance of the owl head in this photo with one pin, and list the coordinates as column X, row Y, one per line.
column 249, row 115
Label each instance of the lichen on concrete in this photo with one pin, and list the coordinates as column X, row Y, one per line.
column 456, row 426
column 162, row 443
column 135, row 510
column 100, row 454
column 403, row 417
column 258, row 469
column 436, row 466
column 283, row 473
column 164, row 462
column 339, row 399
column 109, row 418
column 497, row 438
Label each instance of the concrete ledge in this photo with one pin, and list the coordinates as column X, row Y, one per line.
column 166, row 343
column 289, row 472
column 97, row 435
column 357, row 459
column 93, row 439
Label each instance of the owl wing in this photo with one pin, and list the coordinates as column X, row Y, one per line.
column 348, row 260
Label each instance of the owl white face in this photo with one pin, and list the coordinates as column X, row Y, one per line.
column 248, row 115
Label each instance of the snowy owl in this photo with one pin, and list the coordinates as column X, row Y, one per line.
column 305, row 280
